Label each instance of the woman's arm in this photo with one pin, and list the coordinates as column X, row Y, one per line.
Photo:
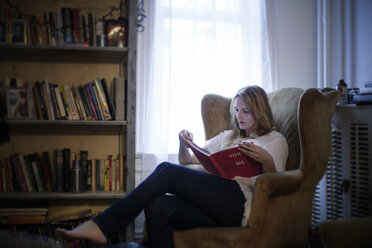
column 259, row 154
column 184, row 155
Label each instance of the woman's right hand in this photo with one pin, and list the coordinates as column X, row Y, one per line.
column 185, row 137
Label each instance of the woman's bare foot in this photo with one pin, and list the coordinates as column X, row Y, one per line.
column 87, row 230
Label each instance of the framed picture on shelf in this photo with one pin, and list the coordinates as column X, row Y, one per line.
column 18, row 106
column 116, row 32
column 18, row 31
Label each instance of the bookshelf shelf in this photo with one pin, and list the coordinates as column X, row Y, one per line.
column 15, row 52
column 61, row 195
column 64, row 123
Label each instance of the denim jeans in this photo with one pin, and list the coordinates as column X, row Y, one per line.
column 176, row 198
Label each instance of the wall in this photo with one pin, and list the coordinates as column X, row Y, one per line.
column 294, row 26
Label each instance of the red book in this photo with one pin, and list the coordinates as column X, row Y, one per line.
column 227, row 163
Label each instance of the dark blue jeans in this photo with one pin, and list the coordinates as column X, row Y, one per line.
column 176, row 198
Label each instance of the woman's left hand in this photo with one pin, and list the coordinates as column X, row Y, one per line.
column 259, row 154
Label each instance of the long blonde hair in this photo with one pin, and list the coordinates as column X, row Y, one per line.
column 258, row 103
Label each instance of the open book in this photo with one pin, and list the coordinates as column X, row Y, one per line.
column 227, row 163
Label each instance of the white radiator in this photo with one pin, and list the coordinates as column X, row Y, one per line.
column 345, row 191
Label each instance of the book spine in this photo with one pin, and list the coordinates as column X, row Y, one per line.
column 102, row 98
column 102, row 175
column 119, row 89
column 90, row 100
column 60, row 171
column 108, row 98
column 66, row 168
column 84, row 169
column 48, row 100
column 94, row 175
column 85, row 101
column 89, row 177
column 94, row 99
column 107, row 176
column 67, row 25
column 20, row 160
column 61, row 106
column 35, row 169
column 76, row 29
column 65, row 102
column 18, row 176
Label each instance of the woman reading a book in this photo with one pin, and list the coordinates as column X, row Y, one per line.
column 177, row 198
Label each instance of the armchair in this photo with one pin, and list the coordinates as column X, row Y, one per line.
column 282, row 203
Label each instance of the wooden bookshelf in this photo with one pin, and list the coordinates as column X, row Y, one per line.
column 69, row 65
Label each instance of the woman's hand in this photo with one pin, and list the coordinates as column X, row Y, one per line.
column 185, row 137
column 259, row 154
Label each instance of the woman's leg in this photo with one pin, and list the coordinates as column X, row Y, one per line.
column 167, row 213
column 222, row 199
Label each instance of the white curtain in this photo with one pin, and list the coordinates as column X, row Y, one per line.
column 190, row 48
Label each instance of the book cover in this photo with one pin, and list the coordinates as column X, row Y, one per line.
column 57, row 113
column 65, row 102
column 67, row 25
column 20, row 160
column 227, row 163
column 47, row 174
column 76, row 29
column 102, row 99
column 119, row 91
column 60, row 104
column 90, row 101
column 71, row 103
column 36, row 171
column 89, row 176
column 30, row 173
column 58, row 157
column 107, row 175
column 102, row 175
column 95, row 102
column 85, row 101
column 20, row 182
column 84, row 168
column 94, row 177
column 79, row 103
column 48, row 100
column 66, row 168
column 110, row 103
column 99, row 103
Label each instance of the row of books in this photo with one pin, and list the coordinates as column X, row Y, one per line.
column 67, row 27
column 48, row 101
column 64, row 172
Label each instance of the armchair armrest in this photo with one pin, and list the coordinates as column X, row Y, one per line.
column 279, row 183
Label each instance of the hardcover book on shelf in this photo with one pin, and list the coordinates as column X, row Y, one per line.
column 65, row 102
column 108, row 98
column 18, row 105
column 90, row 101
column 227, row 163
column 85, row 101
column 19, row 179
column 102, row 99
column 36, row 171
column 61, row 106
column 67, row 25
column 120, row 97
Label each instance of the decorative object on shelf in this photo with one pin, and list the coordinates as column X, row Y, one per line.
column 140, row 16
column 18, row 105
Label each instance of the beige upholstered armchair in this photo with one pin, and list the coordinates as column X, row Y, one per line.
column 282, row 202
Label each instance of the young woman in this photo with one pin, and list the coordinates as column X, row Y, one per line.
column 177, row 198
